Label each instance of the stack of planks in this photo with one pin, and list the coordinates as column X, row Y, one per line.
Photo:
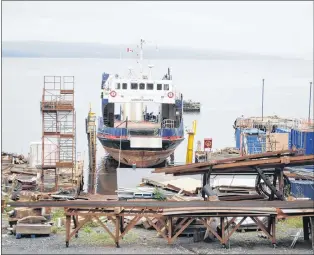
column 242, row 164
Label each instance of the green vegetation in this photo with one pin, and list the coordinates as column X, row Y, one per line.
column 87, row 229
column 92, row 224
column 103, row 238
column 59, row 213
column 293, row 222
column 158, row 195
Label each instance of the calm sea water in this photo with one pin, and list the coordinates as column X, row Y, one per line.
column 226, row 90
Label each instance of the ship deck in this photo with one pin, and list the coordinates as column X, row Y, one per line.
column 140, row 124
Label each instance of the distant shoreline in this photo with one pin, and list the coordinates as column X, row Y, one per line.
column 34, row 49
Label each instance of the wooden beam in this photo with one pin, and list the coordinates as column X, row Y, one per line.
column 130, row 225
column 261, row 225
column 157, row 228
column 181, row 230
column 81, row 224
column 211, row 230
column 235, row 228
column 105, row 227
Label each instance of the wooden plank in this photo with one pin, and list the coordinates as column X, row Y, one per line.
column 261, row 163
column 229, row 160
column 43, row 229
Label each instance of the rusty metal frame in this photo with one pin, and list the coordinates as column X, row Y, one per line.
column 58, row 125
column 166, row 226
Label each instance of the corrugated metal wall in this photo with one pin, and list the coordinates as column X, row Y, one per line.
column 303, row 140
column 255, row 144
column 302, row 188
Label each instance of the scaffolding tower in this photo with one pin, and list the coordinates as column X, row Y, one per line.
column 91, row 137
column 58, row 128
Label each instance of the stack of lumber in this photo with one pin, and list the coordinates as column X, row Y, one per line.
column 243, row 164
column 32, row 225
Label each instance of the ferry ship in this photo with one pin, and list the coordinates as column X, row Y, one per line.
column 128, row 130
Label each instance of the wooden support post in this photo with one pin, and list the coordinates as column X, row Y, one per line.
column 274, row 184
column 306, row 227
column 312, row 230
column 56, row 180
column 42, row 181
column 269, row 223
column 117, row 231
column 67, row 229
column 222, row 227
column 121, row 224
column 204, row 183
column 75, row 221
column 281, row 182
column 169, row 223
column 273, row 230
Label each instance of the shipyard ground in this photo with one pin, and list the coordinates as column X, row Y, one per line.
column 93, row 240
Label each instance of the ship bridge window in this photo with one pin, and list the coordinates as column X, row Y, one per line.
column 117, row 85
column 159, row 86
column 134, row 85
column 166, row 86
column 150, row 86
column 142, row 85
column 124, row 86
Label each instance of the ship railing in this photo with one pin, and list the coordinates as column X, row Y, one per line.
column 168, row 123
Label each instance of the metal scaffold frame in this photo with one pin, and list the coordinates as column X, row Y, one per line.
column 58, row 127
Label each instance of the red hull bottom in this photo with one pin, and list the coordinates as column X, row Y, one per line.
column 141, row 158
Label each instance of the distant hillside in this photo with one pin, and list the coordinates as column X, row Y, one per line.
column 36, row 49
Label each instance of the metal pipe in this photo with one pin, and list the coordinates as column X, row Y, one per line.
column 310, row 102
column 263, row 100
column 165, row 204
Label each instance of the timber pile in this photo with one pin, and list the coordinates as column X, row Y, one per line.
column 244, row 164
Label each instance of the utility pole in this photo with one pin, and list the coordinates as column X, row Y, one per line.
column 310, row 101
column 263, row 100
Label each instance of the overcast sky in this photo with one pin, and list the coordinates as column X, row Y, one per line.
column 281, row 28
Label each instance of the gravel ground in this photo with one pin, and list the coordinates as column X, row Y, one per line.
column 141, row 241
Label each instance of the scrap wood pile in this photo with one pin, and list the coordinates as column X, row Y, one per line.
column 242, row 164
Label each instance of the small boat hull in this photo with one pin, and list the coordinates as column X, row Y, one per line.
column 142, row 158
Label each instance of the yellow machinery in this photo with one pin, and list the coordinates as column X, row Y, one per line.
column 189, row 151
column 91, row 137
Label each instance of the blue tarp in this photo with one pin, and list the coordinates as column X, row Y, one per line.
column 302, row 188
